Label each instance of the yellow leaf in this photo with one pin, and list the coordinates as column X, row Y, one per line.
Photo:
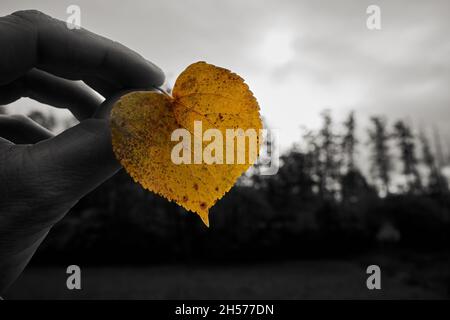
column 142, row 124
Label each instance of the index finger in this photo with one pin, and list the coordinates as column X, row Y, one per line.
column 32, row 39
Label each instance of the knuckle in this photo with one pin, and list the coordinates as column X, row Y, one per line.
column 29, row 13
column 20, row 118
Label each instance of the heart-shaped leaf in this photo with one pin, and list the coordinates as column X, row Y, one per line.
column 214, row 121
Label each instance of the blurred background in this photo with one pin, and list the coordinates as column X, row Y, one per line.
column 362, row 118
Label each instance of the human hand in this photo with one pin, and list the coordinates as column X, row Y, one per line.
column 42, row 176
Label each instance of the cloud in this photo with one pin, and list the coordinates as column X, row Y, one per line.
column 329, row 59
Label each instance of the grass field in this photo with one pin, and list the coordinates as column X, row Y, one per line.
column 327, row 279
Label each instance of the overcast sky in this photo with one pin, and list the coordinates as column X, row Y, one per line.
column 298, row 57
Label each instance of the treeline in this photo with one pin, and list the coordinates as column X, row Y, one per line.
column 320, row 203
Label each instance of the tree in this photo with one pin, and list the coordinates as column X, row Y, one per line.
column 329, row 163
column 312, row 156
column 436, row 182
column 349, row 142
column 438, row 147
column 265, row 159
column 406, row 143
column 381, row 162
column 353, row 183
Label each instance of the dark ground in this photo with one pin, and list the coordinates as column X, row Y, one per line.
column 423, row 276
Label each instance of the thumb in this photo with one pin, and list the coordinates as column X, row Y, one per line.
column 76, row 161
column 79, row 159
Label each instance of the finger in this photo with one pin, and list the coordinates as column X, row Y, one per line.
column 33, row 39
column 5, row 142
column 104, row 111
column 49, row 89
column 11, row 92
column 108, row 89
column 77, row 160
column 22, row 130
column 105, row 88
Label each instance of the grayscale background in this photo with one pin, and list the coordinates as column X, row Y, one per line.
column 311, row 230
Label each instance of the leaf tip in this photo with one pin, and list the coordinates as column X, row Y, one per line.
column 205, row 218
